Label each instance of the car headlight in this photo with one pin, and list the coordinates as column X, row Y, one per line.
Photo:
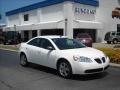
column 82, row 59
column 83, row 41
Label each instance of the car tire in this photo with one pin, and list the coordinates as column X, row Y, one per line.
column 64, row 69
column 4, row 43
column 23, row 60
column 108, row 42
column 113, row 16
column 115, row 41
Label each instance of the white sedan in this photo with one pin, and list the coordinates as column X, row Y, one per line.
column 68, row 56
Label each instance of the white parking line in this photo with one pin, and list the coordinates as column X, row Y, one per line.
column 9, row 50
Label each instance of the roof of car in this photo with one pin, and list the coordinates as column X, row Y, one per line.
column 51, row 36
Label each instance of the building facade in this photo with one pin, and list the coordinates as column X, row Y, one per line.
column 66, row 17
column 1, row 32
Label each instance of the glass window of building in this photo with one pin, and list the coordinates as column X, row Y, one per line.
column 26, row 17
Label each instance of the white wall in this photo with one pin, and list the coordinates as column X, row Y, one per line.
column 104, row 15
column 13, row 20
column 32, row 17
column 52, row 13
column 69, row 15
column 41, row 15
column 18, row 19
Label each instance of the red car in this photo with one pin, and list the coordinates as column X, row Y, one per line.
column 85, row 38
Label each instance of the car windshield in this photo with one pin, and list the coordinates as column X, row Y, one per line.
column 65, row 43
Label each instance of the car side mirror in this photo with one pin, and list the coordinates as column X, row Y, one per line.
column 50, row 48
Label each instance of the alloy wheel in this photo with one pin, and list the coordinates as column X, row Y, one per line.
column 23, row 60
column 115, row 41
column 64, row 69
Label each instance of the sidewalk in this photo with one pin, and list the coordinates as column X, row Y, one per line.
column 115, row 65
column 10, row 47
column 105, row 45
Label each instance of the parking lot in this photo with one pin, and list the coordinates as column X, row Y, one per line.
column 34, row 77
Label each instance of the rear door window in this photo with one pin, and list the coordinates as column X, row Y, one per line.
column 35, row 42
column 113, row 33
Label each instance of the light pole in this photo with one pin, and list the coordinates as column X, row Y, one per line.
column 15, row 27
column 15, row 34
column 66, row 20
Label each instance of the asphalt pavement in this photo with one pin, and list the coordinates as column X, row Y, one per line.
column 36, row 77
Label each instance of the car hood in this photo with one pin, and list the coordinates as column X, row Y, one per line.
column 86, row 52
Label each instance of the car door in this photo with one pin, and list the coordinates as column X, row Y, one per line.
column 118, row 36
column 33, row 50
column 47, row 52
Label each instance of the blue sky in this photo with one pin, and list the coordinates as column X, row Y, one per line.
column 7, row 5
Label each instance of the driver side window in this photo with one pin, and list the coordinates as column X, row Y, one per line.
column 45, row 44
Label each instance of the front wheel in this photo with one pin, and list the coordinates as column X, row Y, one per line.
column 4, row 43
column 64, row 69
column 23, row 60
column 115, row 41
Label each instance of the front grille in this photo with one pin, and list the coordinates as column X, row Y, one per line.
column 94, row 70
column 98, row 60
column 106, row 67
column 103, row 59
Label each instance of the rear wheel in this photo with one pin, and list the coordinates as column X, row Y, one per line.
column 4, row 43
column 23, row 60
column 115, row 41
column 64, row 69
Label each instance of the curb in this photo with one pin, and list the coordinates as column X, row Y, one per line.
column 115, row 65
column 9, row 50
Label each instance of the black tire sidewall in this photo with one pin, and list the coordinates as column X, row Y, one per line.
column 114, row 41
column 25, row 60
column 70, row 69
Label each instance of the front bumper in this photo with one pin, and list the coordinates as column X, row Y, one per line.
column 90, row 68
column 96, row 70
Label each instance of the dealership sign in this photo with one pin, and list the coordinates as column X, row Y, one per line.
column 84, row 11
